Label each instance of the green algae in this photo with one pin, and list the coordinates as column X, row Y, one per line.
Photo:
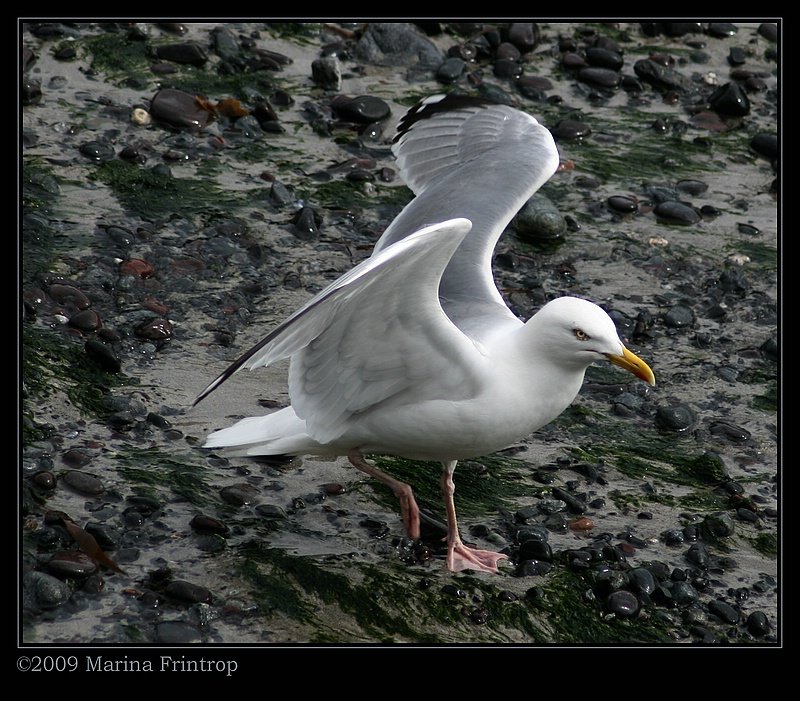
column 389, row 604
column 766, row 544
column 483, row 485
column 152, row 193
column 154, row 471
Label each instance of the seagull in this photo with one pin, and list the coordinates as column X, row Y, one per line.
column 413, row 352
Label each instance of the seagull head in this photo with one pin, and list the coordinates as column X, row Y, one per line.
column 578, row 332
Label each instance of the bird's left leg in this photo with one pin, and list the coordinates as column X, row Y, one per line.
column 459, row 556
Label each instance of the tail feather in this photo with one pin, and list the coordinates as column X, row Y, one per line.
column 279, row 433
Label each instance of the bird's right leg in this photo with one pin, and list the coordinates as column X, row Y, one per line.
column 408, row 505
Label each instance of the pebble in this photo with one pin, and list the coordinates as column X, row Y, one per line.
column 571, row 130
column 187, row 591
column 691, row 187
column 724, row 611
column 83, row 482
column 719, row 524
column 604, row 58
column 241, row 494
column 676, row 213
column 71, row 563
column 67, row 294
column 524, row 35
column 98, row 151
column 623, row 204
column 539, row 221
column 679, row 317
column 769, row 31
column 270, row 512
column 765, row 145
column 730, row 100
column 188, row 53
column 581, row 524
column 85, row 320
column 136, row 267
column 364, row 109
column 208, row 524
column 506, row 69
column 678, row 417
column 533, row 87
column 622, row 603
column 641, row 580
column 179, row 109
column 662, row 77
column 758, row 624
column 157, row 329
column 601, row 77
column 396, row 44
column 47, row 591
column 535, row 550
column 44, row 480
column 534, row 568
column 698, row 555
column 326, row 72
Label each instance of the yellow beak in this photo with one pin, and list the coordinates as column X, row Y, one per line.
column 632, row 363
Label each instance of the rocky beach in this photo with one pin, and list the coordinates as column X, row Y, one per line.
column 186, row 186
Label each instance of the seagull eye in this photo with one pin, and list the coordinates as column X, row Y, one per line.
column 581, row 335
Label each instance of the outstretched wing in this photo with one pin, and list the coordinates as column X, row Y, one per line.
column 468, row 157
column 371, row 335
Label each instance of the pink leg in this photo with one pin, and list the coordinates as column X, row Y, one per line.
column 408, row 505
column 459, row 556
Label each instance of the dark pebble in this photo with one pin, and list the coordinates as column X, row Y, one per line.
column 676, row 213
column 572, row 61
column 364, row 109
column 451, row 70
column 698, row 555
column 83, row 483
column 641, row 580
column 571, row 130
column 730, row 432
column 574, row 504
column 270, row 512
column 524, row 35
column 679, row 317
column 691, row 187
column 604, row 58
column 622, row 603
column 678, row 417
column 240, row 494
column 662, row 77
column 71, row 563
column 333, row 489
column 144, row 504
column 453, row 590
column 188, row 53
column 535, row 550
column 177, row 633
column 539, row 221
column 155, row 330
column 305, row 225
column 736, row 56
column 44, row 480
column 769, row 31
column 67, row 294
column 102, row 356
column 46, row 591
column 75, row 457
column 534, row 568
column 724, row 611
column 186, row 591
column 765, row 145
column 722, row 29
column 730, row 100
column 506, row 69
column 507, row 51
column 601, row 77
column 105, row 536
column 758, row 624
column 85, row 320
column 179, row 109
column 622, row 204
column 683, row 593
column 208, row 524
column 326, row 72
column 720, row 524
column 533, row 87
column 98, row 151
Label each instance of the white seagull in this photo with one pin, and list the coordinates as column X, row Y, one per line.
column 413, row 352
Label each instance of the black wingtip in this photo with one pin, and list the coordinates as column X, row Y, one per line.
column 438, row 104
